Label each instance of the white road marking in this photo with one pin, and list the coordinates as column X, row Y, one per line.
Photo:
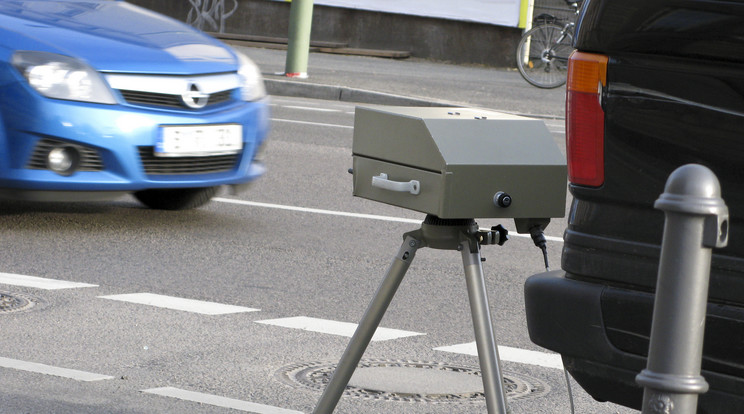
column 50, row 370
column 187, row 305
column 316, row 210
column 39, row 282
column 345, row 214
column 308, row 108
column 218, row 401
column 292, row 121
column 335, row 328
column 507, row 353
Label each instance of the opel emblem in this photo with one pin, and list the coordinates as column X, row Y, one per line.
column 194, row 98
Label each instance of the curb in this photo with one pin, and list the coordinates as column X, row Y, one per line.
column 346, row 94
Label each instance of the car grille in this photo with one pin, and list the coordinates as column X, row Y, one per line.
column 90, row 160
column 168, row 100
column 185, row 165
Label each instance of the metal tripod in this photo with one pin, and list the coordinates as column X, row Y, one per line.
column 461, row 235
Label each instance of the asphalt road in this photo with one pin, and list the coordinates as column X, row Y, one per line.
column 297, row 244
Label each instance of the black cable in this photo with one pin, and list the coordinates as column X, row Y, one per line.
column 545, row 257
column 570, row 393
column 536, row 232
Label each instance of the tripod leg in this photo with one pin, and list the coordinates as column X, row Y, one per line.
column 367, row 327
column 488, row 355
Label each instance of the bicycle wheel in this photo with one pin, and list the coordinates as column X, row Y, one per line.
column 541, row 60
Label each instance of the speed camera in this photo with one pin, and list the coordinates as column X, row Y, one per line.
column 459, row 163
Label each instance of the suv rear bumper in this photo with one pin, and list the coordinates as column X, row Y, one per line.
column 565, row 316
column 568, row 316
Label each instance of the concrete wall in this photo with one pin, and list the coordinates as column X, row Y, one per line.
column 435, row 39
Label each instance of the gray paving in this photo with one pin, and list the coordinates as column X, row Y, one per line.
column 407, row 82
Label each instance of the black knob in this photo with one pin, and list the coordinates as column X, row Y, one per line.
column 502, row 232
column 502, row 199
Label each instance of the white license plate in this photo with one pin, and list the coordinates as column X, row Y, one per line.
column 199, row 140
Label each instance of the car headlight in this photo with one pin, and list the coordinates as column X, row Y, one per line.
column 62, row 77
column 251, row 82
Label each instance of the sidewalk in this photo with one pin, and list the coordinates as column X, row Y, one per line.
column 407, row 82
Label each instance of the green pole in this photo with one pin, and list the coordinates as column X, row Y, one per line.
column 298, row 49
column 526, row 10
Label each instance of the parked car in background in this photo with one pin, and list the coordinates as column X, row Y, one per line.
column 101, row 98
column 654, row 85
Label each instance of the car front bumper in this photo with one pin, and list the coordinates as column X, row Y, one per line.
column 118, row 135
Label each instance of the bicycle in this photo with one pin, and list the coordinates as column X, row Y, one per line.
column 542, row 53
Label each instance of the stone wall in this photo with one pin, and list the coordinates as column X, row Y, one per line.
column 428, row 38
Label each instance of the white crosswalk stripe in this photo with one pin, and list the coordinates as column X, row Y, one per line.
column 507, row 353
column 187, row 305
column 39, row 282
column 335, row 328
column 51, row 370
column 218, row 401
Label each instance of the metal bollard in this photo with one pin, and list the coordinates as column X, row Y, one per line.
column 696, row 222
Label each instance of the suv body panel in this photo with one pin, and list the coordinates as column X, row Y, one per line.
column 674, row 95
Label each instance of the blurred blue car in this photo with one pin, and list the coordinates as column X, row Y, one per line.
column 102, row 98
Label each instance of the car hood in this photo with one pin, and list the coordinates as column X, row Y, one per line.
column 112, row 36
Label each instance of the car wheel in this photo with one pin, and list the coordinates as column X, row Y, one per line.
column 176, row 198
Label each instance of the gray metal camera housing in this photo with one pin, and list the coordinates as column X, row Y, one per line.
column 458, row 163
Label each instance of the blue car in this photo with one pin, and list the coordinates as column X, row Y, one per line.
column 103, row 98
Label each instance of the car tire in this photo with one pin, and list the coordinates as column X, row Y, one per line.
column 176, row 198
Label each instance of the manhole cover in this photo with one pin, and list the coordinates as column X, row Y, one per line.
column 14, row 302
column 410, row 381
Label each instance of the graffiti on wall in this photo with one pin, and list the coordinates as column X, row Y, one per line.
column 210, row 15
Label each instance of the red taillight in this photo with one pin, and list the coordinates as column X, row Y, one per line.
column 587, row 75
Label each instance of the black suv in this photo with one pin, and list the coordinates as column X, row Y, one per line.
column 653, row 85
